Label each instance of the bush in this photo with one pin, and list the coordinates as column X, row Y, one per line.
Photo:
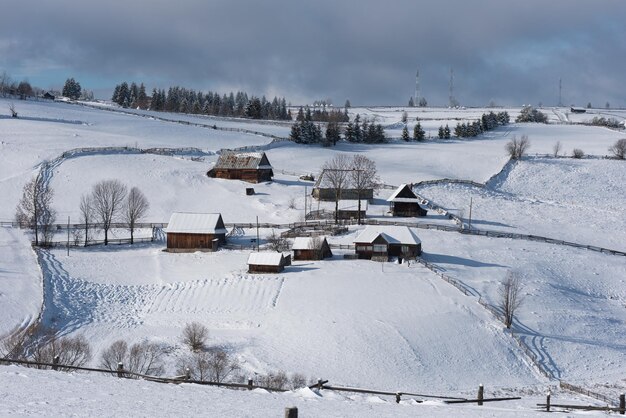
column 619, row 149
column 142, row 358
column 195, row 335
column 72, row 351
column 578, row 153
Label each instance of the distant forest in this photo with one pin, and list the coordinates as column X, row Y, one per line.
column 181, row 100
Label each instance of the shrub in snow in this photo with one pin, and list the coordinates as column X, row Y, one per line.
column 195, row 335
column 577, row 153
column 516, row 148
column 619, row 149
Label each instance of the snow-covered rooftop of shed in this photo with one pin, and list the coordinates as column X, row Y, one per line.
column 243, row 160
column 265, row 259
column 394, row 197
column 305, row 243
column 196, row 223
column 391, row 233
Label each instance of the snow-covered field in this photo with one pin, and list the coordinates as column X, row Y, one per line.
column 354, row 322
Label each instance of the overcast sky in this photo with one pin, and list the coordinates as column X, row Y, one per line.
column 511, row 52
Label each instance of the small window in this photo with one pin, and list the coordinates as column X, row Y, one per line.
column 380, row 248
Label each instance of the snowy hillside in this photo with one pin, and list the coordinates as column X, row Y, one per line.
column 386, row 326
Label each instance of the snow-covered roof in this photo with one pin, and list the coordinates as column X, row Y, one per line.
column 196, row 223
column 352, row 205
column 266, row 259
column 243, row 160
column 394, row 197
column 305, row 243
column 391, row 233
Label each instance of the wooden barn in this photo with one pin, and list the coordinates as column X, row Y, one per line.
column 380, row 242
column 253, row 167
column 403, row 202
column 349, row 209
column 311, row 248
column 269, row 262
column 323, row 190
column 188, row 232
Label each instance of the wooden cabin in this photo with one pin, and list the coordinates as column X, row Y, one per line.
column 253, row 167
column 311, row 248
column 267, row 262
column 188, row 232
column 403, row 202
column 324, row 190
column 48, row 95
column 381, row 242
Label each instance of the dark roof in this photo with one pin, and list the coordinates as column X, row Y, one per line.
column 243, row 160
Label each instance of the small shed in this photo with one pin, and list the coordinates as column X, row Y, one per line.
column 385, row 241
column 403, row 202
column 188, row 232
column 349, row 209
column 48, row 95
column 268, row 262
column 324, row 190
column 311, row 248
column 253, row 167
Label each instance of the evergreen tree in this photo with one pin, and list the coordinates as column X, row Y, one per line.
column 441, row 133
column 411, row 102
column 332, row 133
column 405, row 134
column 418, row 133
column 295, row 134
column 423, row 102
column 446, row 132
column 358, row 134
column 349, row 132
column 71, row 89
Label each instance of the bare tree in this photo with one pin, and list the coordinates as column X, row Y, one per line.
column 87, row 215
column 556, row 149
column 276, row 242
column 135, row 208
column 578, row 153
column 363, row 176
column 619, row 149
column 12, row 110
column 35, row 209
column 71, row 351
column 275, row 380
column 221, row 366
column 198, row 365
column 5, row 82
column 336, row 172
column 516, row 148
column 195, row 336
column 510, row 297
column 108, row 199
column 142, row 358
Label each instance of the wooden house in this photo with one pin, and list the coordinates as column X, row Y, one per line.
column 380, row 242
column 267, row 262
column 253, row 167
column 349, row 209
column 403, row 202
column 324, row 190
column 48, row 95
column 195, row 232
column 311, row 248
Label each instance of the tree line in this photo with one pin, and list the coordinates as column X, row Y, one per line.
column 182, row 100
column 109, row 201
column 487, row 122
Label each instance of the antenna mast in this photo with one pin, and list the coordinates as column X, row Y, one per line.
column 417, row 87
column 452, row 100
column 560, row 91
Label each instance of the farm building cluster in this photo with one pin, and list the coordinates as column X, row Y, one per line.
column 189, row 232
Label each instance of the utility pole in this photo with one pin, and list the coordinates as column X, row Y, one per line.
column 470, row 216
column 451, row 88
column 560, row 92
column 68, row 236
column 257, row 234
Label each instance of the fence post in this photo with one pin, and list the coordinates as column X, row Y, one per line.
column 291, row 412
column 319, row 384
column 481, row 393
column 548, row 402
column 622, row 404
column 187, row 373
column 55, row 363
column 249, row 384
column 120, row 370
column 398, row 396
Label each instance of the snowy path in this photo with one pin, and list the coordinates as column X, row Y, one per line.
column 20, row 281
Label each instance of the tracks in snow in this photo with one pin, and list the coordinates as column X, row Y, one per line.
column 71, row 303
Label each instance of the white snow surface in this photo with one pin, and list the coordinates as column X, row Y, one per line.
column 354, row 322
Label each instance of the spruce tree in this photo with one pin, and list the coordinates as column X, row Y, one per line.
column 405, row 134
column 446, row 132
column 441, row 133
column 418, row 132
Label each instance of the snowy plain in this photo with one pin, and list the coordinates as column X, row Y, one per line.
column 389, row 327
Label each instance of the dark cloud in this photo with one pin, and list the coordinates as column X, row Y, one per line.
column 365, row 50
